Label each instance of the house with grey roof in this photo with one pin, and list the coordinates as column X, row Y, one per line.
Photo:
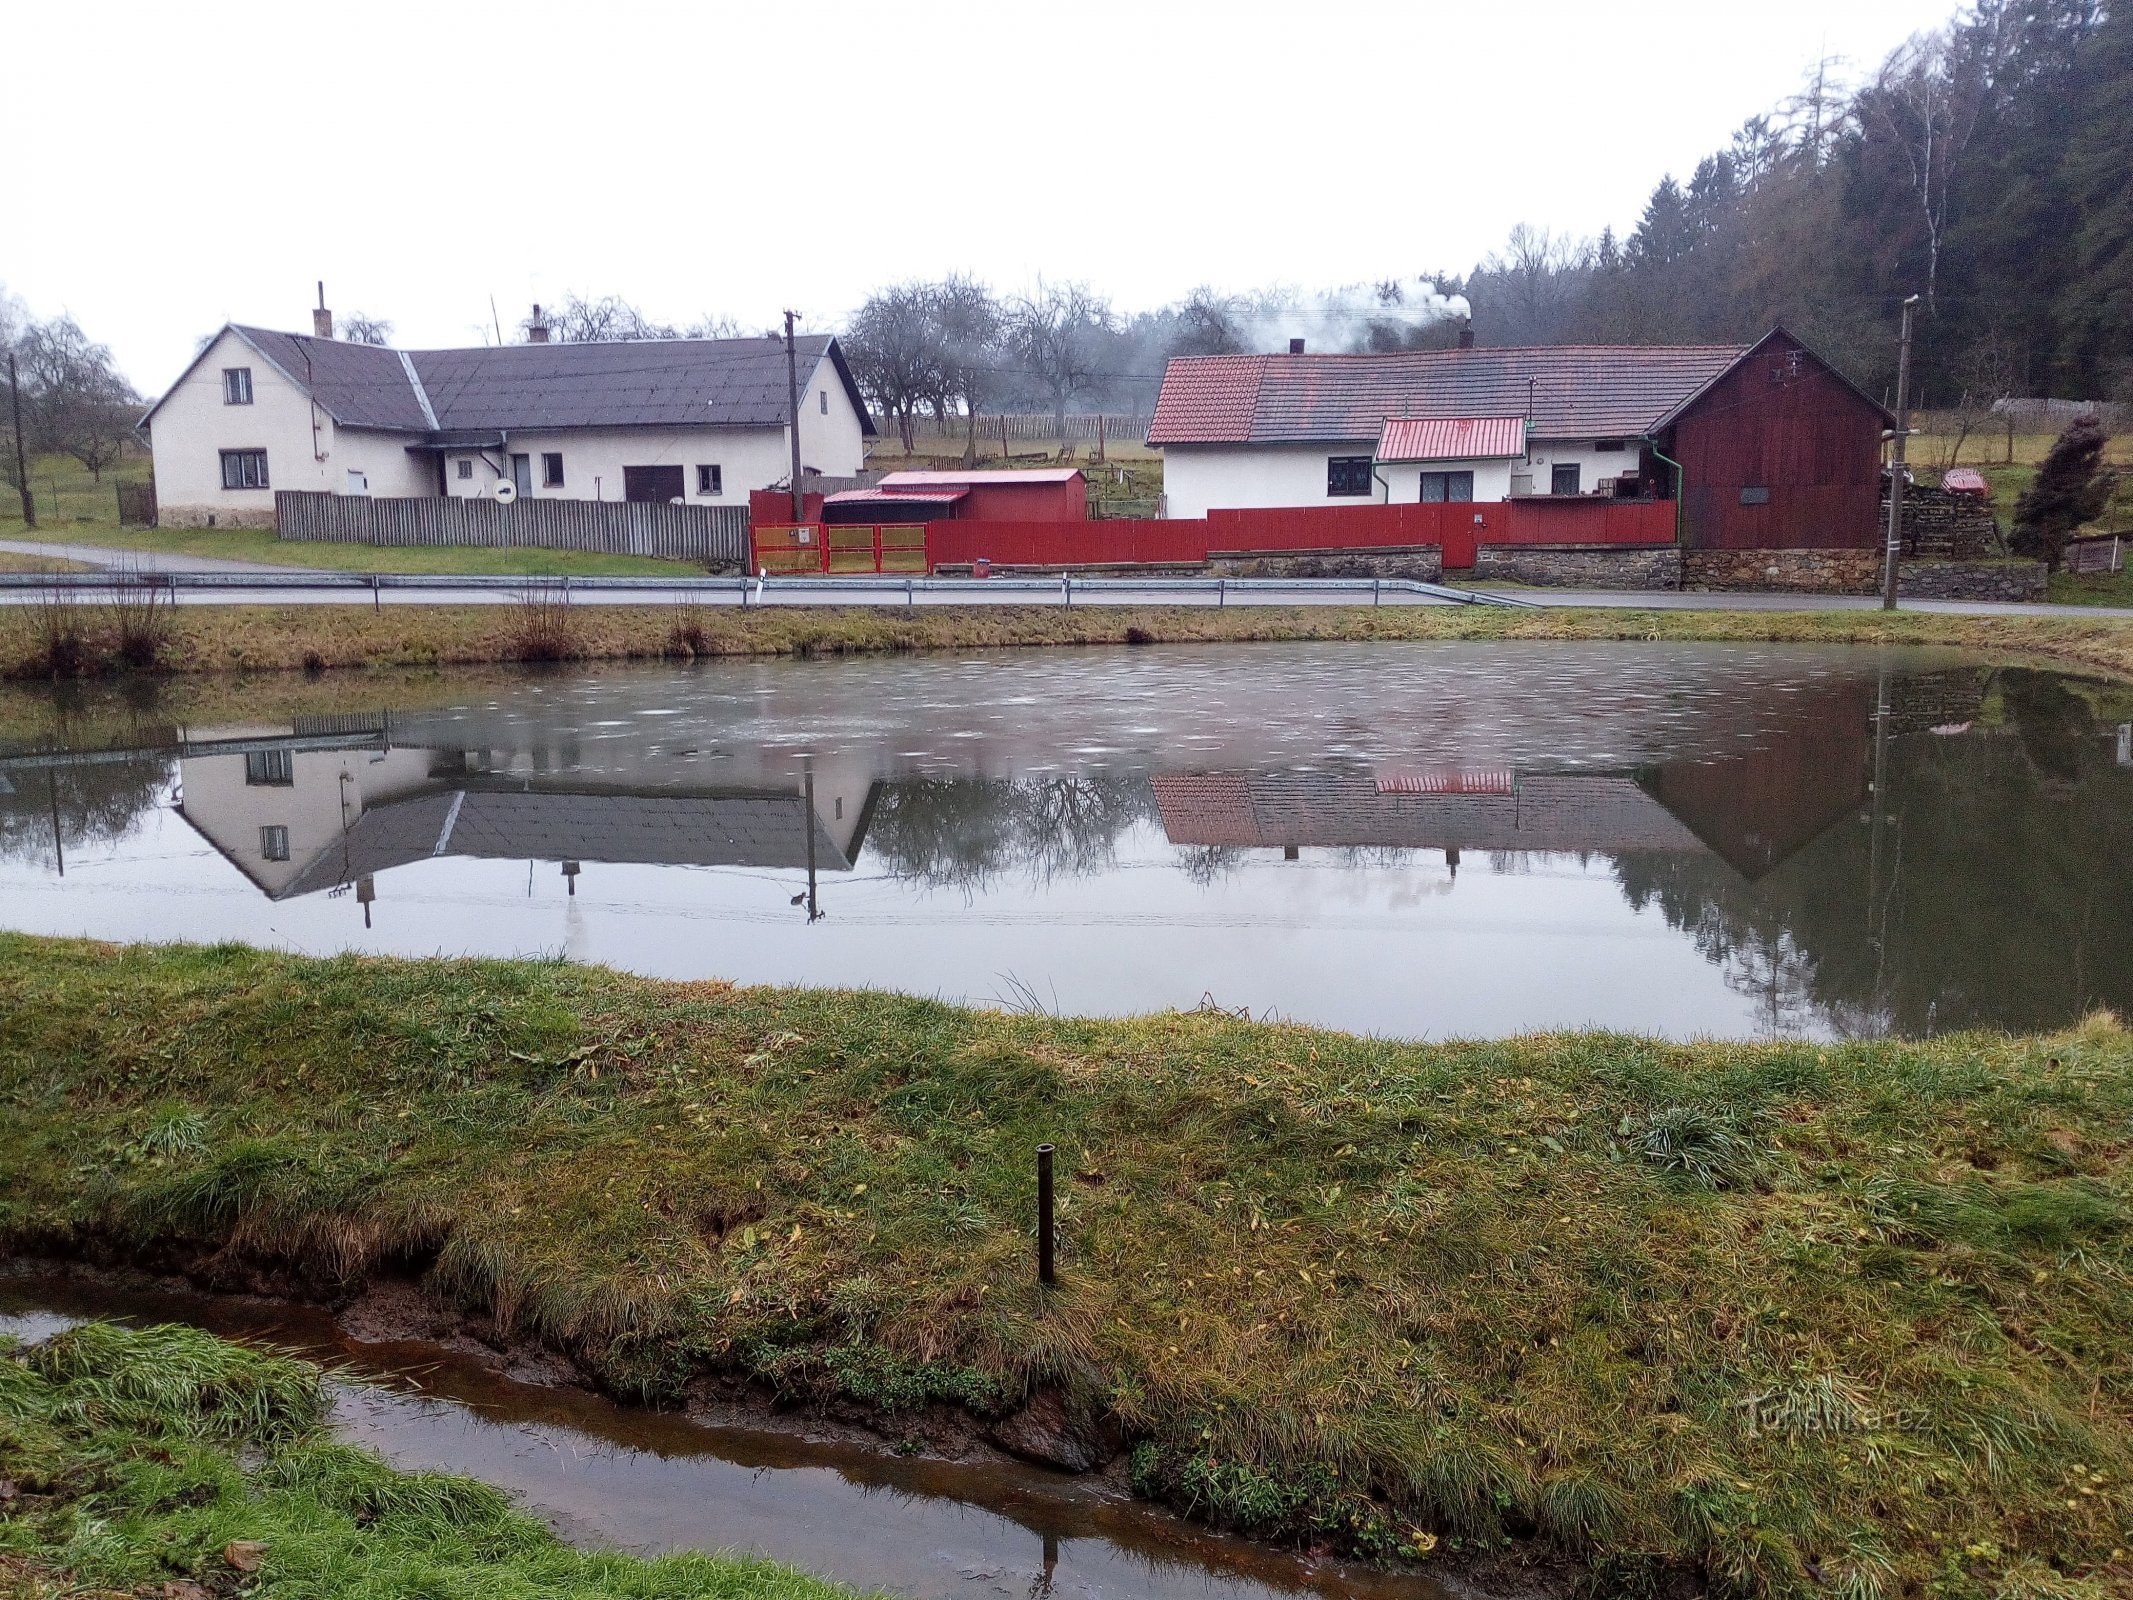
column 702, row 421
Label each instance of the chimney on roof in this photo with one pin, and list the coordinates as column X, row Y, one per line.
column 536, row 328
column 1296, row 347
column 1466, row 338
column 321, row 318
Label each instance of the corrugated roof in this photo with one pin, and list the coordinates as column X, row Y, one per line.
column 670, row 383
column 930, row 497
column 1574, row 391
column 928, row 480
column 1452, row 438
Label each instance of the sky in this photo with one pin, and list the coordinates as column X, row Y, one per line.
column 190, row 164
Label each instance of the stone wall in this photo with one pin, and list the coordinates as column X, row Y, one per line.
column 1972, row 580
column 1580, row 566
column 1421, row 563
column 1859, row 572
column 1784, row 571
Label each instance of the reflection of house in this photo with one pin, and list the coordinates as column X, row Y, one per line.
column 297, row 820
column 1536, row 811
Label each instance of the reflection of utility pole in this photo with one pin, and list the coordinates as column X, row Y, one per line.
column 1876, row 909
column 814, row 910
column 1043, row 1586
column 59, row 844
column 1894, row 553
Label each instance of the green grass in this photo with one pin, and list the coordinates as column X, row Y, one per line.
column 2114, row 589
column 138, row 1457
column 1794, row 1318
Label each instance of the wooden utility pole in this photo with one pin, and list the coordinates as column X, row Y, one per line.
column 1894, row 553
column 22, row 465
column 792, row 385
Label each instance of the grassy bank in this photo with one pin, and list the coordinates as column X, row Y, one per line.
column 241, row 638
column 167, row 1462
column 1793, row 1317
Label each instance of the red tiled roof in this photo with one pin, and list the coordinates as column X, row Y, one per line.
column 1208, row 400
column 1452, row 438
column 1572, row 391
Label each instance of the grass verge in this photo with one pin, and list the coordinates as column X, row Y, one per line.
column 1794, row 1318
column 163, row 1461
column 239, row 638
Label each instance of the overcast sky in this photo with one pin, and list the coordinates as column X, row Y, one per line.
column 195, row 163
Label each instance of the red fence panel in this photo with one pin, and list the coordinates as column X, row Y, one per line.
column 1587, row 520
column 1112, row 542
column 1456, row 526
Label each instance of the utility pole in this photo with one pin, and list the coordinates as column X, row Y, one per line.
column 1894, row 553
column 22, row 465
column 792, row 386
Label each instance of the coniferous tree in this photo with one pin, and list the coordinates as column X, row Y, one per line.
column 2070, row 488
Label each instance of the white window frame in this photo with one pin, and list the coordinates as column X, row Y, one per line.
column 236, row 386
column 242, row 459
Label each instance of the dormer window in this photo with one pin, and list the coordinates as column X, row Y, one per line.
column 236, row 386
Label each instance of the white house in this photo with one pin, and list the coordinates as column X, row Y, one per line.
column 1422, row 425
column 698, row 420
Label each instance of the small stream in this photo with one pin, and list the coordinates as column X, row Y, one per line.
column 603, row 1474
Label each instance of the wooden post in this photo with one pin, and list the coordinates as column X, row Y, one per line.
column 22, row 465
column 1045, row 1233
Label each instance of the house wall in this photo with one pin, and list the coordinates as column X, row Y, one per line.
column 1200, row 478
column 593, row 459
column 330, row 790
column 387, row 465
column 1780, row 421
column 193, row 427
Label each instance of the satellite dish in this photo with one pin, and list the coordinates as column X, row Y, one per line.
column 505, row 491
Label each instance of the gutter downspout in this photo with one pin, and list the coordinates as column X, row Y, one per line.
column 1681, row 485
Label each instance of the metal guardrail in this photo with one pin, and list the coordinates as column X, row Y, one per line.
column 750, row 590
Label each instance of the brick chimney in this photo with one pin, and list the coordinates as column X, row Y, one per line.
column 1466, row 338
column 321, row 318
column 536, row 328
column 1296, row 347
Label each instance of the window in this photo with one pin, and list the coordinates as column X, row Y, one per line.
column 274, row 843
column 275, row 767
column 710, row 480
column 522, row 473
column 551, row 469
column 1438, row 487
column 1564, row 479
column 244, row 469
column 1348, row 475
column 824, row 397
column 236, row 386
column 1758, row 496
column 466, row 469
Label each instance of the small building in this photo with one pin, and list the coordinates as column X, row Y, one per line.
column 1764, row 446
column 702, row 421
column 1044, row 494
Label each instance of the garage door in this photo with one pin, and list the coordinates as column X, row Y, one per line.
column 655, row 485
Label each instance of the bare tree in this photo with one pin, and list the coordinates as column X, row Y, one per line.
column 713, row 328
column 894, row 350
column 358, row 328
column 968, row 323
column 579, row 320
column 78, row 402
column 1057, row 335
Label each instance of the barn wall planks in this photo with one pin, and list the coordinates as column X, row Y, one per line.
column 717, row 535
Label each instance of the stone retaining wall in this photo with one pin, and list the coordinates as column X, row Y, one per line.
column 1859, row 572
column 1422, row 563
column 1580, row 566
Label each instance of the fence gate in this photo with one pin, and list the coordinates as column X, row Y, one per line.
column 849, row 549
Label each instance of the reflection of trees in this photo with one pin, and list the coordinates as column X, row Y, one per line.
column 1999, row 896
column 1205, row 865
column 96, row 805
column 968, row 831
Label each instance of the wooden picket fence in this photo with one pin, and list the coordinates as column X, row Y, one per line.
column 714, row 535
column 1119, row 427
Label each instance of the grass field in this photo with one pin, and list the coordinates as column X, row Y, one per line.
column 1800, row 1319
column 166, row 1462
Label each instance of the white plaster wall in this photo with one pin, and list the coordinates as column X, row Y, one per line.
column 383, row 458
column 593, row 459
column 1201, row 478
column 1593, row 463
column 833, row 443
column 193, row 427
column 1492, row 479
column 329, row 793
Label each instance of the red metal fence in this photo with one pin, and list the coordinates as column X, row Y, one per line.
column 1458, row 527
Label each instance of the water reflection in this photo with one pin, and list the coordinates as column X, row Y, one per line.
column 1422, row 839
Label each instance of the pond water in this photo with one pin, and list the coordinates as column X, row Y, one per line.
column 644, row 1481
column 1422, row 840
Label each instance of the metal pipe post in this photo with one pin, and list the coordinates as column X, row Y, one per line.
column 1045, row 1230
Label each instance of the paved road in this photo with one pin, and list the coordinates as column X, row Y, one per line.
column 122, row 559
column 231, row 590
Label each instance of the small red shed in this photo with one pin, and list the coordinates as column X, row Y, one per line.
column 1042, row 494
column 1778, row 452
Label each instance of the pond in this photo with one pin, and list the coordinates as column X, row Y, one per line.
column 1418, row 840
